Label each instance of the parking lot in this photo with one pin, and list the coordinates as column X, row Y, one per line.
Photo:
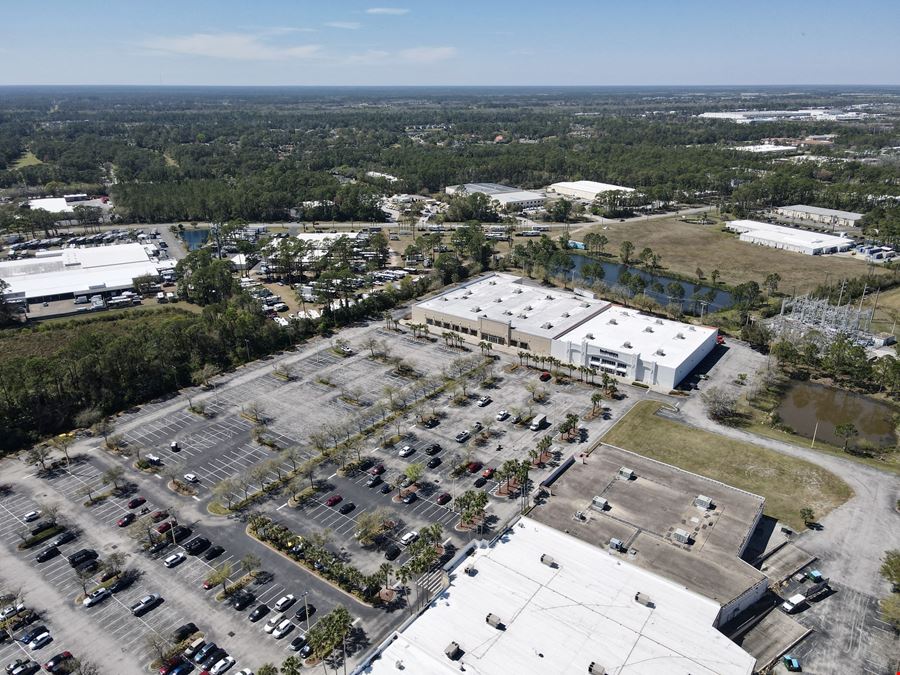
column 221, row 446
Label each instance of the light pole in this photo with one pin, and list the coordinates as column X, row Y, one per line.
column 247, row 345
column 306, row 610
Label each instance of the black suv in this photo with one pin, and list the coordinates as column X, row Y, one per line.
column 433, row 449
column 47, row 553
column 184, row 632
column 80, row 556
column 180, row 532
column 196, row 545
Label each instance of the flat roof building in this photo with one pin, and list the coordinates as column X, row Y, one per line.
column 539, row 601
column 51, row 204
column 815, row 214
column 788, row 238
column 489, row 189
column 574, row 327
column 69, row 272
column 518, row 200
column 584, row 189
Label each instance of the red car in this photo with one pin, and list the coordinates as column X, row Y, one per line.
column 720, row 339
column 164, row 527
column 209, row 583
column 474, row 466
column 545, row 376
column 136, row 502
column 126, row 520
column 333, row 499
column 443, row 499
column 488, row 472
column 377, row 470
column 159, row 515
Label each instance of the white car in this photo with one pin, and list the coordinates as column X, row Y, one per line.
column 31, row 516
column 222, row 665
column 271, row 623
column 406, row 451
column 502, row 415
column 191, row 478
column 283, row 629
column 409, row 537
column 484, row 400
column 43, row 639
column 245, row 671
column 284, row 602
column 12, row 610
column 96, row 597
column 174, row 560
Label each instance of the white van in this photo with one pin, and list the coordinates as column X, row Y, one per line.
column 793, row 603
column 161, row 297
column 538, row 422
column 409, row 537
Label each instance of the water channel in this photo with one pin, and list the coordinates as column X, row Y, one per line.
column 807, row 403
column 194, row 239
column 696, row 296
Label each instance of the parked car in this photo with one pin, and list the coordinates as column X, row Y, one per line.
column 162, row 528
column 205, row 651
column 145, row 604
column 126, row 520
column 258, row 613
column 409, row 537
column 222, row 665
column 298, row 643
column 502, row 415
column 241, row 601
column 484, row 400
column 184, row 631
column 47, row 554
column 433, row 449
column 434, row 462
column 122, row 583
column 59, row 663
column 159, row 515
column 347, row 508
column 31, row 516
column 136, row 502
column 377, row 470
column 406, row 451
column 197, row 545
column 333, row 499
column 477, row 426
column 488, row 472
column 409, row 498
column 32, row 634
column 545, row 376
column 392, row 552
column 12, row 610
column 462, row 436
column 271, row 623
column 373, row 481
column 40, row 641
column 387, row 488
column 282, row 629
column 214, row 552
column 96, row 597
column 480, row 482
column 80, row 556
column 191, row 478
column 443, row 498
column 174, row 560
column 474, row 466
column 181, row 532
column 284, row 602
column 304, row 611
column 160, row 546
column 64, row 538
column 194, row 647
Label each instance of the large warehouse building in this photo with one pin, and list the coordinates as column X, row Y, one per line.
column 503, row 196
column 541, row 601
column 816, row 214
column 584, row 189
column 788, row 238
column 70, row 272
column 574, row 327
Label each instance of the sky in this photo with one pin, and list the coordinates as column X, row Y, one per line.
column 438, row 42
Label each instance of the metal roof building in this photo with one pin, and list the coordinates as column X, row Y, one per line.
column 541, row 601
column 817, row 214
column 788, row 238
column 585, row 189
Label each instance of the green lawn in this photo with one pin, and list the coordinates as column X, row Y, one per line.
column 787, row 484
column 28, row 159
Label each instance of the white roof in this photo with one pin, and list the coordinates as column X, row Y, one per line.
column 505, row 298
column 764, row 147
column 560, row 620
column 787, row 235
column 323, row 238
column 515, row 197
column 78, row 270
column 819, row 211
column 51, row 204
column 589, row 186
column 663, row 341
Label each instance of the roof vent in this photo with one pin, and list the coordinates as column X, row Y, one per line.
column 523, row 315
column 626, row 473
column 703, row 502
column 495, row 621
column 626, row 345
column 589, row 336
column 585, row 304
column 453, row 651
column 492, row 283
column 648, row 329
column 476, row 309
column 613, row 322
column 547, row 325
column 498, row 299
column 596, row 669
column 528, row 308
column 681, row 536
column 550, row 297
column 599, row 504
column 679, row 336
column 548, row 561
column 517, row 290
column 644, row 599
column 660, row 352
column 690, row 328
column 565, row 315
column 615, row 544
column 444, row 299
column 659, row 321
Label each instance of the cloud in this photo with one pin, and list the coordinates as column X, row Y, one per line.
column 369, row 57
column 232, row 46
column 390, row 11
column 346, row 25
column 427, row 54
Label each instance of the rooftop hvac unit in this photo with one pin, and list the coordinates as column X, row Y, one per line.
column 626, row 345
column 599, row 504
column 550, row 297
column 585, row 304
column 517, row 291
column 492, row 283
column 681, row 536
column 643, row 599
column 548, row 561
column 659, row 322
column 475, row 309
column 495, row 621
column 679, row 336
column 596, row 669
column 626, row 473
column 589, row 336
column 528, row 308
column 648, row 329
column 453, row 651
column 703, row 502
column 565, row 315
column 547, row 325
column 498, row 299
column 660, row 352
column 615, row 544
column 613, row 322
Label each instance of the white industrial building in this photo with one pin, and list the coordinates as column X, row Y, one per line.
column 518, row 200
column 576, row 328
column 540, row 601
column 764, row 148
column 788, row 238
column 52, row 204
column 815, row 214
column 489, row 189
column 69, row 272
column 584, row 189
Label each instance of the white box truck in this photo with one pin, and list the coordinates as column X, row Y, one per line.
column 538, row 422
column 793, row 603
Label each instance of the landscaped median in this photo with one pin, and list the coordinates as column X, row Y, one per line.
column 787, row 483
column 41, row 536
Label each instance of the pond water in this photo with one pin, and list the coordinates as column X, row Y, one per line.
column 807, row 403
column 694, row 294
column 194, row 239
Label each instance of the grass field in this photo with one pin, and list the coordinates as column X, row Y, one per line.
column 28, row 159
column 684, row 247
column 788, row 484
column 887, row 311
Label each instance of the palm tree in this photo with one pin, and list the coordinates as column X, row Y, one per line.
column 596, row 398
